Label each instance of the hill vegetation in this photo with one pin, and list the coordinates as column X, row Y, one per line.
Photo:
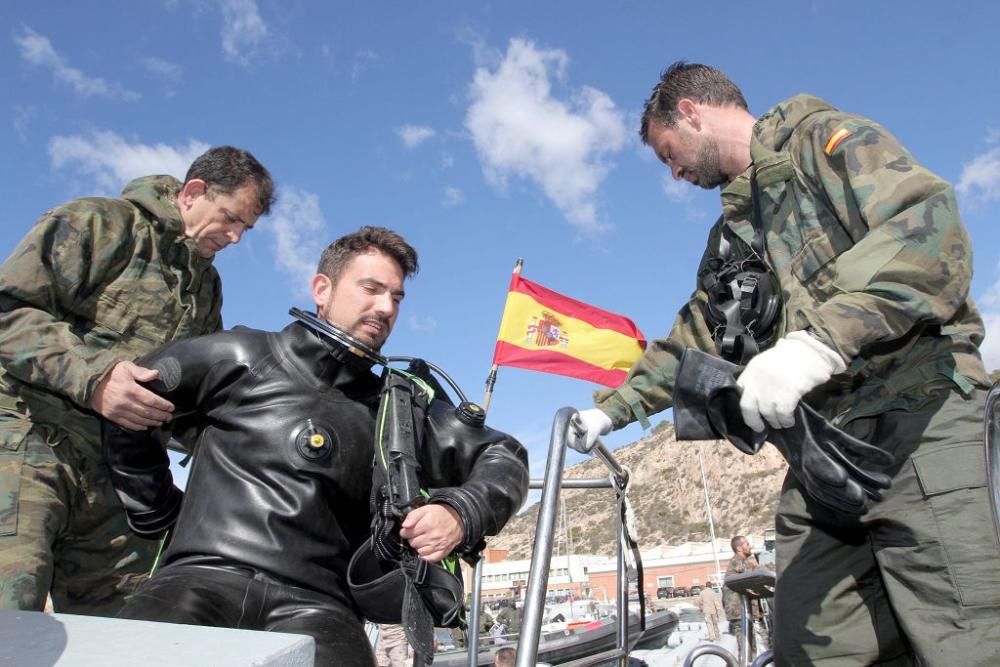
column 667, row 495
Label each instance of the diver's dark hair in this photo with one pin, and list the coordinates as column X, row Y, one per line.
column 343, row 250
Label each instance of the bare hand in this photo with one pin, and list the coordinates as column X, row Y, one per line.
column 121, row 399
column 433, row 531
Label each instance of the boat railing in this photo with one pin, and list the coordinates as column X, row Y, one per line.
column 565, row 432
column 755, row 585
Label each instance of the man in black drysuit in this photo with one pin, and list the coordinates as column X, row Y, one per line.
column 279, row 490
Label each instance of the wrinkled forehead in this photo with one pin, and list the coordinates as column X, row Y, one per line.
column 243, row 199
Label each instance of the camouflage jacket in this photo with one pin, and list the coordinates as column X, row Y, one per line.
column 96, row 281
column 731, row 600
column 871, row 256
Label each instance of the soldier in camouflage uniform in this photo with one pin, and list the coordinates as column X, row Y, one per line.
column 878, row 332
column 742, row 561
column 93, row 285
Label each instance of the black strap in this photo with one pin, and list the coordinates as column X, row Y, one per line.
column 633, row 546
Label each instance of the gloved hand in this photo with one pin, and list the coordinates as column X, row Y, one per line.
column 140, row 474
column 776, row 380
column 832, row 466
column 593, row 423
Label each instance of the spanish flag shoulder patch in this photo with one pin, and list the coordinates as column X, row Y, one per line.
column 835, row 139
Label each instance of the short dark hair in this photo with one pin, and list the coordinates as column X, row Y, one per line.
column 343, row 250
column 505, row 657
column 737, row 541
column 700, row 83
column 225, row 169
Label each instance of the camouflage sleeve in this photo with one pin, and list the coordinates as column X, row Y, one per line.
column 911, row 263
column 649, row 386
column 64, row 259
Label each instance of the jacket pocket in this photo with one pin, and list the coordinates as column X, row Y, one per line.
column 134, row 318
column 954, row 481
column 12, row 434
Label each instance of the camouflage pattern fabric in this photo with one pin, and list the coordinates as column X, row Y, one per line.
column 873, row 258
column 870, row 252
column 731, row 600
column 392, row 649
column 95, row 281
column 71, row 540
column 510, row 617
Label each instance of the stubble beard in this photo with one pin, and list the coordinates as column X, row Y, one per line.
column 708, row 166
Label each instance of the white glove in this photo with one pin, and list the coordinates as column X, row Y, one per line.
column 594, row 423
column 775, row 380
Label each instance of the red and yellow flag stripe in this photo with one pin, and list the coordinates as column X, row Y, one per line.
column 546, row 331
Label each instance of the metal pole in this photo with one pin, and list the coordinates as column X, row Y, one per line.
column 711, row 522
column 541, row 555
column 491, row 379
column 622, row 631
column 477, row 596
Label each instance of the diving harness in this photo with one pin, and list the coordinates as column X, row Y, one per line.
column 389, row 582
column 744, row 297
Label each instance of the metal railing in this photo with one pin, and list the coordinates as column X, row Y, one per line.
column 564, row 433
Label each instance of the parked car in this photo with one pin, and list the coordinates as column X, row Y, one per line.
column 680, row 591
column 694, row 590
column 664, row 592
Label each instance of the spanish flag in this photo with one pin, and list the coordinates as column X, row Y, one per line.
column 544, row 331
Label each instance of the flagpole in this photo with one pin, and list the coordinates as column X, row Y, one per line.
column 711, row 522
column 491, row 379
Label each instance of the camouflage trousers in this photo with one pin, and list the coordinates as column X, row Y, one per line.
column 392, row 650
column 62, row 530
column 916, row 579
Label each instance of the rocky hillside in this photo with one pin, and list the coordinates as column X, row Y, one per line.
column 667, row 495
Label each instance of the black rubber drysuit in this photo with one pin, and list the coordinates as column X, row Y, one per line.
column 278, row 496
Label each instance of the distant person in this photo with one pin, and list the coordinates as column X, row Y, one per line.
column 505, row 657
column 392, row 649
column 711, row 608
column 95, row 284
column 742, row 561
column 510, row 617
column 280, row 494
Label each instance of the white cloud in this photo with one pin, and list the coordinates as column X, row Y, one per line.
column 483, row 55
column 362, row 61
column 990, row 349
column 678, row 192
column 23, row 115
column 300, row 234
column 980, row 180
column 164, row 69
column 414, row 135
column 989, row 305
column 453, row 196
column 425, row 324
column 447, row 160
column 243, row 30
column 110, row 161
column 38, row 50
column 521, row 129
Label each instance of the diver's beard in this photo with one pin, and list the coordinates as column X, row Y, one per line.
column 707, row 168
column 374, row 341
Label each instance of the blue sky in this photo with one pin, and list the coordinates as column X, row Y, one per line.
column 482, row 132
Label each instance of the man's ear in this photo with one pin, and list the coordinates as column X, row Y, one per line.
column 322, row 290
column 688, row 110
column 191, row 191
